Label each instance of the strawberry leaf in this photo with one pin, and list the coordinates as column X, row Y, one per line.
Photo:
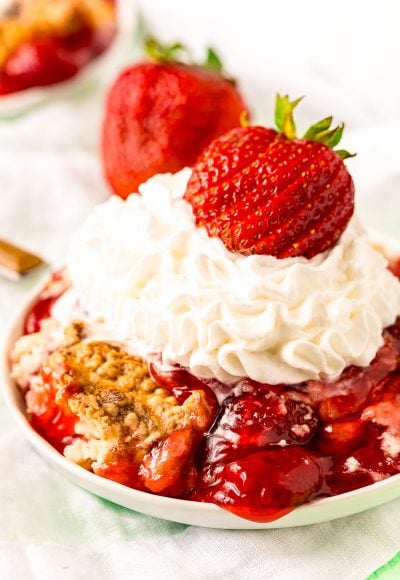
column 213, row 61
column 331, row 138
column 178, row 53
column 343, row 154
column 165, row 53
column 318, row 128
column 284, row 115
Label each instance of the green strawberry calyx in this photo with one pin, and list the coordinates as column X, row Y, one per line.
column 320, row 132
column 177, row 53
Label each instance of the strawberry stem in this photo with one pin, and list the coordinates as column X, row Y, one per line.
column 320, row 132
column 284, row 115
column 177, row 53
column 244, row 119
column 165, row 53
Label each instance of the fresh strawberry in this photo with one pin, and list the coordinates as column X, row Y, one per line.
column 160, row 115
column 267, row 192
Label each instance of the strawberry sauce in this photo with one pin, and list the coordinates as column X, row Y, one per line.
column 265, row 449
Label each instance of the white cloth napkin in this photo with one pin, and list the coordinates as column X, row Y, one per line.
column 50, row 177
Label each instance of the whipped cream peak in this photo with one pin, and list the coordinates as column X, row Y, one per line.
column 161, row 284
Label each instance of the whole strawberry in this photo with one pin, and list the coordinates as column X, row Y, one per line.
column 264, row 191
column 161, row 114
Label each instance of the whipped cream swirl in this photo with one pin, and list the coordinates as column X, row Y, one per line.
column 163, row 285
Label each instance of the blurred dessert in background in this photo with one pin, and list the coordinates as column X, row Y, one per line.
column 43, row 43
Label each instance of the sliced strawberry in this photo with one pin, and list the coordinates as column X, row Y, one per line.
column 122, row 467
column 365, row 466
column 349, row 393
column 168, row 468
column 265, row 485
column 258, row 419
column 267, row 192
column 51, row 418
column 342, row 437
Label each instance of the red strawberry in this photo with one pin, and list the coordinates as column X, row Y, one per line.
column 350, row 392
column 46, row 60
column 267, row 192
column 265, row 485
column 342, row 437
column 257, row 419
column 160, row 115
column 168, row 468
column 365, row 466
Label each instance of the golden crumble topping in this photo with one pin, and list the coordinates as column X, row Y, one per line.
column 32, row 18
column 112, row 392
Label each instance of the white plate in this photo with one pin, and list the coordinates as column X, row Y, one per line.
column 177, row 510
column 19, row 103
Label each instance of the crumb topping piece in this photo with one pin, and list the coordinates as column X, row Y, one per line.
column 113, row 392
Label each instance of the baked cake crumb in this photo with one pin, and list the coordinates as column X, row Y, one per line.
column 113, row 395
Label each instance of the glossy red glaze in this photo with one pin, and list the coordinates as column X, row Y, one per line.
column 39, row 312
column 350, row 392
column 264, row 485
column 53, row 420
column 122, row 469
column 259, row 418
column 168, row 468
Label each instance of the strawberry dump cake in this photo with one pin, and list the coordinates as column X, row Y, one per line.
column 228, row 335
column 43, row 43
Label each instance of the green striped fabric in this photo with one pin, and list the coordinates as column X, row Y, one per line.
column 389, row 571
